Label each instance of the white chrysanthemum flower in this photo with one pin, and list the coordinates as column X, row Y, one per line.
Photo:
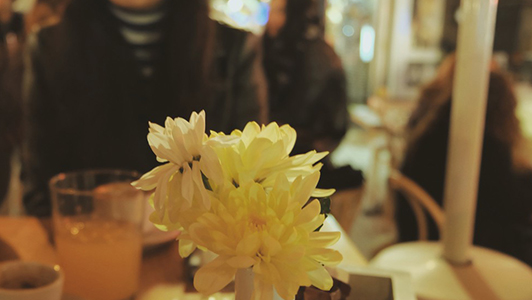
column 180, row 144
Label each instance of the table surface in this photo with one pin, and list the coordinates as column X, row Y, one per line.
column 161, row 266
column 382, row 114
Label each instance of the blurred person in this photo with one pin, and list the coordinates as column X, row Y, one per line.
column 108, row 67
column 45, row 13
column 10, row 110
column 307, row 85
column 11, row 23
column 504, row 203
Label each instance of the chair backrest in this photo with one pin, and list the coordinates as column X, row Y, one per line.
column 419, row 200
column 346, row 205
column 12, row 204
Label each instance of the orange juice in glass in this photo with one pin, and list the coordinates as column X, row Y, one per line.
column 97, row 220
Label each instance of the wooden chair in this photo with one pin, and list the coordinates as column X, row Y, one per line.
column 346, row 205
column 12, row 204
column 419, row 200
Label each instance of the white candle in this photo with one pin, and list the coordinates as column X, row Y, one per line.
column 475, row 43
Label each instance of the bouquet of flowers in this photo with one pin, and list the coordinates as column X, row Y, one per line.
column 243, row 197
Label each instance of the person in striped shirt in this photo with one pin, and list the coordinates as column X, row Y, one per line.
column 95, row 79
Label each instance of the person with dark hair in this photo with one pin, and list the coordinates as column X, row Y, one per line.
column 45, row 13
column 109, row 67
column 504, row 204
column 10, row 112
column 307, row 85
column 11, row 23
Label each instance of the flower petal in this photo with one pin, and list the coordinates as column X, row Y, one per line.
column 325, row 256
column 270, row 246
column 155, row 128
column 160, row 146
column 321, row 193
column 186, row 247
column 309, row 212
column 320, row 278
column 159, row 198
column 187, row 184
column 262, row 290
column 240, row 262
column 149, row 180
column 249, row 245
column 210, row 165
column 324, row 239
column 214, row 276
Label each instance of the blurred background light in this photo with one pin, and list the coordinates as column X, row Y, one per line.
column 235, row 5
column 334, row 16
column 348, row 30
column 367, row 43
column 250, row 15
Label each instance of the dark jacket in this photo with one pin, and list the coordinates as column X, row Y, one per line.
column 89, row 106
column 10, row 114
column 307, row 89
column 14, row 26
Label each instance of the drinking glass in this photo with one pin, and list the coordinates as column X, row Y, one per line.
column 97, row 218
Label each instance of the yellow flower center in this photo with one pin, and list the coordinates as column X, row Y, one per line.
column 264, row 258
column 257, row 222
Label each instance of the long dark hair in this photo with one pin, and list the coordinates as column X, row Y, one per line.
column 10, row 99
column 300, row 15
column 188, row 43
column 196, row 45
column 501, row 119
column 284, row 55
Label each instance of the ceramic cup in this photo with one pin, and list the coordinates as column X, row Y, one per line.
column 21, row 280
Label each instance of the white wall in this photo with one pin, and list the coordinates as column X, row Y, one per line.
column 23, row 5
column 403, row 53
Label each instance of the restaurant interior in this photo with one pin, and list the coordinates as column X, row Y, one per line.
column 261, row 149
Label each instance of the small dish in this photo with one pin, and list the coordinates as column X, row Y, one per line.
column 154, row 238
column 71, row 297
column 7, row 252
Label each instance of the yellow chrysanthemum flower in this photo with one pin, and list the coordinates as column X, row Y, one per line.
column 272, row 232
column 244, row 198
column 259, row 154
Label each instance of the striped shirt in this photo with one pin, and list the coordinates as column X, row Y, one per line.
column 142, row 30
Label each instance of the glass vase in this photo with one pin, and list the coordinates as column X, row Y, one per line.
column 244, row 285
